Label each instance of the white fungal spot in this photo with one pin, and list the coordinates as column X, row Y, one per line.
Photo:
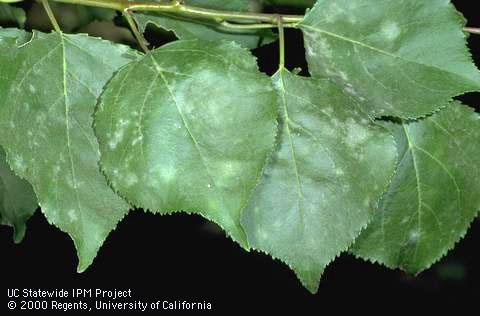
column 119, row 133
column 277, row 224
column 56, row 170
column 328, row 111
column 137, row 140
column 131, row 179
column 343, row 76
column 72, row 215
column 262, row 234
column 328, row 131
column 32, row 88
column 390, row 30
column 167, row 173
column 324, row 48
column 18, row 163
column 231, row 168
column 351, row 90
column 69, row 181
column 356, row 133
column 40, row 118
column 414, row 236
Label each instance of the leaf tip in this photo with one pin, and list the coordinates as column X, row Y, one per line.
column 19, row 233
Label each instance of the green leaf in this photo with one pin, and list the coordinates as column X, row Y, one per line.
column 434, row 195
column 17, row 200
column 12, row 36
column 12, row 15
column 400, row 58
column 324, row 181
column 188, row 128
column 206, row 30
column 46, row 130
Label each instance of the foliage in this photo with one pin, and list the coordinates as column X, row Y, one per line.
column 369, row 154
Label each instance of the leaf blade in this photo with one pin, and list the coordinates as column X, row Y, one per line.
column 200, row 150
column 59, row 157
column 310, row 205
column 432, row 199
column 401, row 59
column 18, row 201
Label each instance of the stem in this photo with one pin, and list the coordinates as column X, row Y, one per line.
column 51, row 16
column 177, row 7
column 133, row 26
column 281, row 39
column 472, row 30
column 256, row 20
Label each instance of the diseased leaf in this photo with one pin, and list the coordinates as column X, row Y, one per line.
column 433, row 197
column 188, row 128
column 400, row 58
column 46, row 130
column 12, row 15
column 10, row 38
column 324, row 181
column 206, row 30
column 18, row 202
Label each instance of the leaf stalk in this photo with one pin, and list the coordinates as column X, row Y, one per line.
column 51, row 16
column 472, row 30
column 281, row 39
column 138, row 36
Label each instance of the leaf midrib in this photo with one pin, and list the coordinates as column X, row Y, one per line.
column 182, row 116
column 67, row 124
column 412, row 147
column 292, row 149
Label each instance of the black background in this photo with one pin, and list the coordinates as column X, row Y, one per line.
column 180, row 257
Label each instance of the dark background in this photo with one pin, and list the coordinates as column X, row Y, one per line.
column 182, row 257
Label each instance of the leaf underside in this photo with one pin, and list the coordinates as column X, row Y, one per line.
column 324, row 180
column 433, row 197
column 399, row 58
column 188, row 128
column 48, row 136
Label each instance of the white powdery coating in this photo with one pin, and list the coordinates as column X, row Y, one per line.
column 356, row 135
column 390, row 30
